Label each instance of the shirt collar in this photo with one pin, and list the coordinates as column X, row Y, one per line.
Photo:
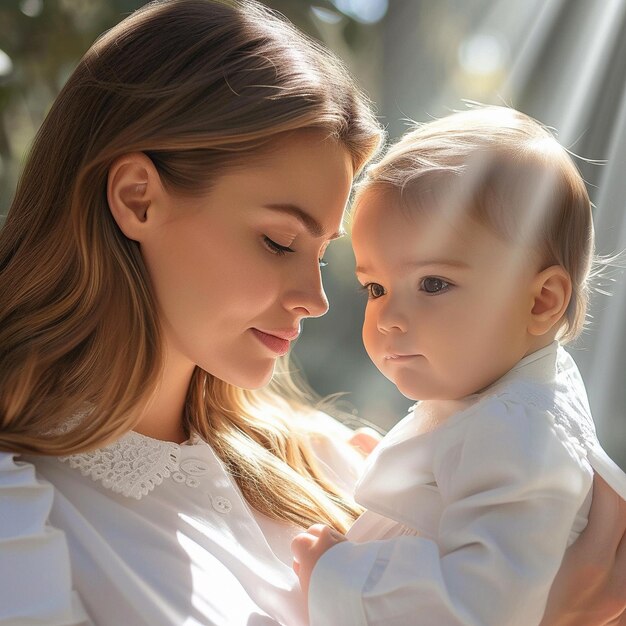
column 539, row 367
column 134, row 464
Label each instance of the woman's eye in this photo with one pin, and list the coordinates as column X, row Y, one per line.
column 430, row 284
column 374, row 290
column 276, row 248
column 322, row 262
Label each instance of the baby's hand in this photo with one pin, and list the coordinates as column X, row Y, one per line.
column 365, row 440
column 308, row 547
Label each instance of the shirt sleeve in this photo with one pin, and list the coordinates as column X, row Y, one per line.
column 510, row 490
column 36, row 585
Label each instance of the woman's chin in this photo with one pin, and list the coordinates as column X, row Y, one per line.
column 251, row 380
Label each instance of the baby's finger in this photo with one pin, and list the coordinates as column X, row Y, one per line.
column 325, row 537
column 365, row 440
column 301, row 545
column 317, row 530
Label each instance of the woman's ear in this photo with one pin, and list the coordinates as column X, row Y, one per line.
column 133, row 186
column 552, row 290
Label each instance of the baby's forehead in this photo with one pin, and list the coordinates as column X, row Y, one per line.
column 400, row 235
column 448, row 204
column 380, row 207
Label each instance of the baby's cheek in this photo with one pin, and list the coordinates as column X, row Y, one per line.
column 373, row 349
column 370, row 333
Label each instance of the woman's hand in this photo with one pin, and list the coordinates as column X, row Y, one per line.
column 590, row 588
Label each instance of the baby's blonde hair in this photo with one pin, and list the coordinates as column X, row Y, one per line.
column 507, row 171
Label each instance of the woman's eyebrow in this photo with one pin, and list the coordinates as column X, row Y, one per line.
column 313, row 227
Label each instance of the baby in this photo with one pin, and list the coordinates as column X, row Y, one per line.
column 473, row 239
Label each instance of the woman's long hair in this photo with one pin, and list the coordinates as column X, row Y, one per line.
column 198, row 86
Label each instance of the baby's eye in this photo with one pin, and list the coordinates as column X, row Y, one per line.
column 434, row 285
column 374, row 290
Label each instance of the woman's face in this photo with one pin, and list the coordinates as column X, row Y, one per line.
column 237, row 269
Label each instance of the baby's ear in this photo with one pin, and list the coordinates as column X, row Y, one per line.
column 552, row 290
column 133, row 186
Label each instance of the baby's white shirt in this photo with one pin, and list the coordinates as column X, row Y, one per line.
column 471, row 505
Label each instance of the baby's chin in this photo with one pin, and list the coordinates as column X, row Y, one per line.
column 407, row 390
column 415, row 386
column 419, row 393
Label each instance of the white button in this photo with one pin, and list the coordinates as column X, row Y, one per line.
column 221, row 504
column 194, row 467
column 192, row 482
column 178, row 477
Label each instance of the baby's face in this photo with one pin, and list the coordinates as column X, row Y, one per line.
column 448, row 301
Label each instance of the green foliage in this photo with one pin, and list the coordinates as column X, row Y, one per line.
column 44, row 39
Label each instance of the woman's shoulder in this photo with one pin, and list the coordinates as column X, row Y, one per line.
column 23, row 494
column 35, row 558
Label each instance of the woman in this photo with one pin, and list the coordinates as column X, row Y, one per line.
column 161, row 251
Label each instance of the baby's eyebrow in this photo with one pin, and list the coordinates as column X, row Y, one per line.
column 413, row 265
column 438, row 262
column 313, row 227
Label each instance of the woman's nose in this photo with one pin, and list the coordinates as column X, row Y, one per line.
column 306, row 295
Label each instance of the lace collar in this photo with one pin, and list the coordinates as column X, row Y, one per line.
column 133, row 465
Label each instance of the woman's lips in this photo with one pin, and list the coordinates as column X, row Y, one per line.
column 278, row 345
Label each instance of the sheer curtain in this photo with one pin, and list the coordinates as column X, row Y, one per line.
column 569, row 71
column 563, row 62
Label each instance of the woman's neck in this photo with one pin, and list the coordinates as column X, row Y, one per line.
column 163, row 417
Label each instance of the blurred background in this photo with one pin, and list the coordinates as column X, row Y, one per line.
column 561, row 61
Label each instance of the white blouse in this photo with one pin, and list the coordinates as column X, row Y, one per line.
column 472, row 504
column 147, row 532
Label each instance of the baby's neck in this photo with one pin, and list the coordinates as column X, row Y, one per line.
column 538, row 343
column 439, row 406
